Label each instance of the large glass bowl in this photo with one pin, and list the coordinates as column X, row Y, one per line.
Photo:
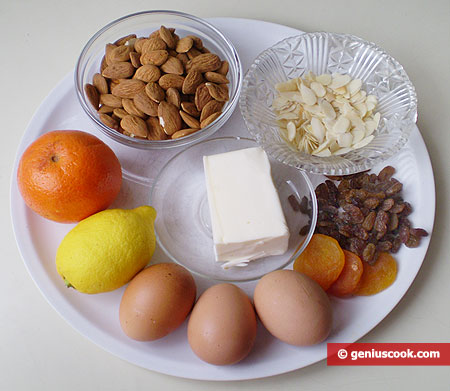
column 183, row 227
column 321, row 53
column 142, row 24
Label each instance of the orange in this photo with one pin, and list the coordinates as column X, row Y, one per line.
column 68, row 175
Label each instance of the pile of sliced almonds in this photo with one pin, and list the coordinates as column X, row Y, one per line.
column 326, row 115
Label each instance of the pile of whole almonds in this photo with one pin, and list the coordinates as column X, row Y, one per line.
column 160, row 87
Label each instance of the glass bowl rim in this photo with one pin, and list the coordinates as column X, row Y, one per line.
column 289, row 260
column 309, row 167
column 160, row 144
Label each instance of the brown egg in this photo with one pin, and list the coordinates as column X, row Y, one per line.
column 222, row 326
column 293, row 307
column 157, row 301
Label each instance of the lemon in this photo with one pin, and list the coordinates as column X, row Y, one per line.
column 106, row 250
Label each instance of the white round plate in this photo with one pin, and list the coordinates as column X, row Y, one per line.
column 96, row 316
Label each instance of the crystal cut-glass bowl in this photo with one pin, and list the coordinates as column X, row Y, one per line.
column 320, row 53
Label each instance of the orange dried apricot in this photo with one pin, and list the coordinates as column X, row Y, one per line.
column 349, row 278
column 322, row 260
column 377, row 277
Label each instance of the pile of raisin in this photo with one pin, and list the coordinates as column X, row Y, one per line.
column 366, row 214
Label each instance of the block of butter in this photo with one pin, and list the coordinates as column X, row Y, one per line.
column 246, row 214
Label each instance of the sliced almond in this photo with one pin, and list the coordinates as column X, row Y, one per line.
column 171, row 81
column 309, row 97
column 318, row 89
column 145, row 104
column 173, row 65
column 213, row 106
column 218, row 91
column 324, row 79
column 147, row 73
column 291, row 130
column 169, row 117
column 92, row 95
column 109, row 121
column 134, row 125
column 155, row 92
column 209, row 120
column 128, row 88
column 173, row 96
column 118, row 70
column 183, row 133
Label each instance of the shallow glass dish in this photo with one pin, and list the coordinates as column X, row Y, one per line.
column 142, row 24
column 183, row 226
column 320, row 53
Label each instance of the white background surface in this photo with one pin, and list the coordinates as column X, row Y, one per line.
column 41, row 43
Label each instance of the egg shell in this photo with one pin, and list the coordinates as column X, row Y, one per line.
column 222, row 325
column 293, row 307
column 157, row 301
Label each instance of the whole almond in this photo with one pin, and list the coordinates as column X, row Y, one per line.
column 154, row 43
column 145, row 104
column 103, row 64
column 202, row 96
column 120, row 113
column 119, row 54
column 109, row 121
column 110, row 100
column 135, row 58
column 191, row 82
column 183, row 58
column 108, row 50
column 216, row 77
column 138, row 44
column 223, row 70
column 170, row 80
column 100, row 83
column 128, row 88
column 130, row 108
column 147, row 73
column 167, row 36
column 155, row 130
column 173, row 96
column 193, row 52
column 125, row 39
column 155, row 92
column 209, row 120
column 198, row 43
column 173, row 65
column 134, row 125
column 213, row 106
column 105, row 109
column 184, row 45
column 183, row 133
column 218, row 91
column 190, row 121
column 190, row 108
column 154, row 57
column 92, row 95
column 169, row 117
column 118, row 70
column 206, row 62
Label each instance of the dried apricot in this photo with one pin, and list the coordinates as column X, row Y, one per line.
column 322, row 260
column 349, row 277
column 377, row 277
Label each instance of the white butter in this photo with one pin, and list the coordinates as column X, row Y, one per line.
column 246, row 214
